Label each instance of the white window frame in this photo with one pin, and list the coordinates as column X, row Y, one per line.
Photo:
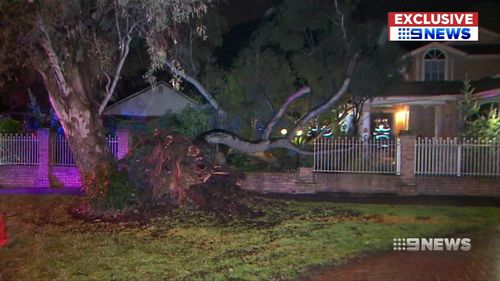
column 445, row 60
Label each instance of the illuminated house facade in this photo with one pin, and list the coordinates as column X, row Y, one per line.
column 427, row 102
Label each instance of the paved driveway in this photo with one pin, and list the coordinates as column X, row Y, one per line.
column 481, row 263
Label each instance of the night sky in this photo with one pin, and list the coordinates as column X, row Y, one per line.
column 245, row 16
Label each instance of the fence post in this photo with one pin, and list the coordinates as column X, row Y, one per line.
column 123, row 137
column 42, row 179
column 459, row 159
column 398, row 156
column 407, row 173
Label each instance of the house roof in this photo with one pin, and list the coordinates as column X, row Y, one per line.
column 140, row 92
column 155, row 100
column 483, row 49
column 439, row 45
column 437, row 88
column 489, row 47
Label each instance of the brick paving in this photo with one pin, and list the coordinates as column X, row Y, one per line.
column 481, row 263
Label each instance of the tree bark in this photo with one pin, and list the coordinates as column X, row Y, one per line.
column 245, row 146
column 78, row 116
column 70, row 92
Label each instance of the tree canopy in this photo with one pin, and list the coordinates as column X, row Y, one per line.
column 305, row 43
column 79, row 48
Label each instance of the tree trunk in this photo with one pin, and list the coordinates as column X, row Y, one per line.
column 82, row 124
column 85, row 133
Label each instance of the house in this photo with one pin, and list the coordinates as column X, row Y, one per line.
column 153, row 101
column 426, row 103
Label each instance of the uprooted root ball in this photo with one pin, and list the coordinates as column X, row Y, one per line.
column 171, row 169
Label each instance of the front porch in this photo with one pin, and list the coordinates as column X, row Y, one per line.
column 436, row 116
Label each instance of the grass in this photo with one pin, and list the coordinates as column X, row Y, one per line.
column 48, row 244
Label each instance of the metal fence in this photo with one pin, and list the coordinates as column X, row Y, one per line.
column 357, row 156
column 454, row 157
column 61, row 153
column 18, row 149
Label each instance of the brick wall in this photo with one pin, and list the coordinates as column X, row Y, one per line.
column 306, row 181
column 18, row 176
column 44, row 175
column 268, row 182
column 370, row 184
column 466, row 186
column 356, row 183
column 65, row 177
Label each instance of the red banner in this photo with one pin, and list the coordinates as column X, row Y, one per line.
column 433, row 18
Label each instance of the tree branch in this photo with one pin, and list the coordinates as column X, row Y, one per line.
column 53, row 59
column 269, row 128
column 203, row 91
column 328, row 104
column 341, row 23
column 124, row 50
column 245, row 146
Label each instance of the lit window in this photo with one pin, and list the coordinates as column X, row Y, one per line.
column 434, row 61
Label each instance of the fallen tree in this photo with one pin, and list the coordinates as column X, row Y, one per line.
column 345, row 54
column 266, row 142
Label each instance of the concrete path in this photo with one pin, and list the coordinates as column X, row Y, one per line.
column 481, row 263
column 40, row 191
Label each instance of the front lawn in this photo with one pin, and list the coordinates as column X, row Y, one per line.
column 49, row 244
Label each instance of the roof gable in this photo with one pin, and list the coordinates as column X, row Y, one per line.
column 436, row 45
column 488, row 44
column 155, row 100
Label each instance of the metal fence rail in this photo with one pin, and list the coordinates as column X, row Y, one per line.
column 454, row 157
column 18, row 149
column 61, row 153
column 357, row 156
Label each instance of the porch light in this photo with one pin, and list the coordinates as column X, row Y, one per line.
column 401, row 119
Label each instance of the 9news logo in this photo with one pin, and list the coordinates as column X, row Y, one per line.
column 433, row 26
column 431, row 244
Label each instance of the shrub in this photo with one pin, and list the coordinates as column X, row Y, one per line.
column 111, row 189
column 10, row 126
column 475, row 123
column 190, row 122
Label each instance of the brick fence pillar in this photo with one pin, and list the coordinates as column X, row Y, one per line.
column 123, row 137
column 304, row 181
column 408, row 182
column 42, row 179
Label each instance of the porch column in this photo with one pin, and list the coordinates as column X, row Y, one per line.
column 364, row 124
column 42, row 179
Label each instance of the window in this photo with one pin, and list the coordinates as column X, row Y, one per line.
column 434, row 61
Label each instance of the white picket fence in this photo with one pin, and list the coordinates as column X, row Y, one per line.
column 18, row 149
column 454, row 157
column 353, row 155
column 61, row 153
